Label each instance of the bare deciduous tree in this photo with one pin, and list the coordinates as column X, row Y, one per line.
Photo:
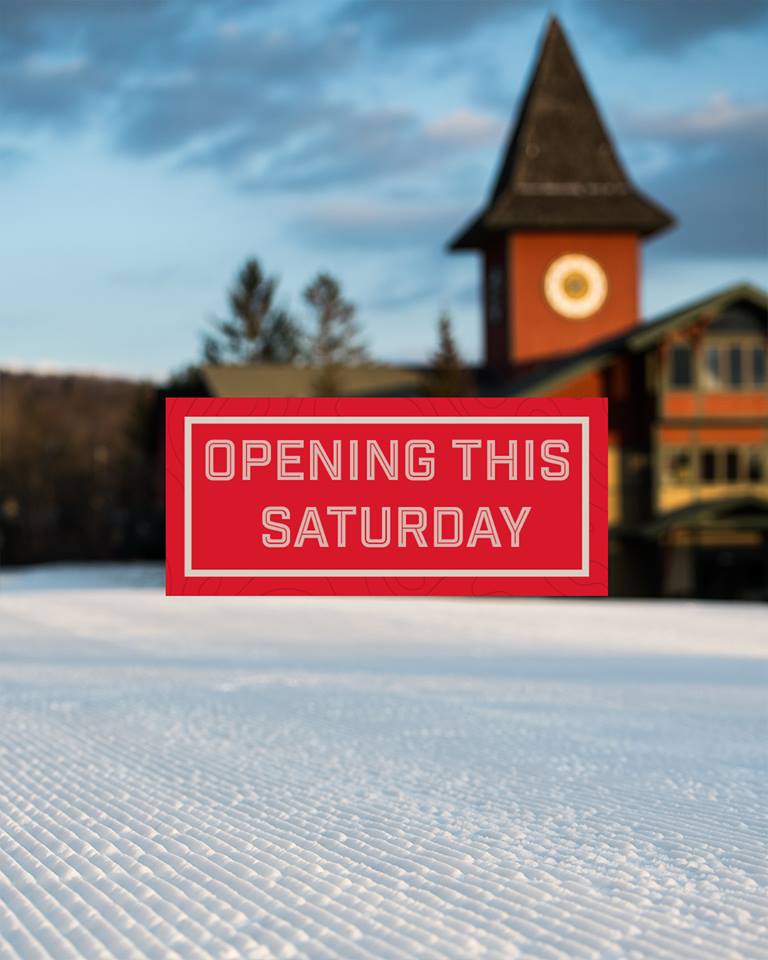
column 335, row 341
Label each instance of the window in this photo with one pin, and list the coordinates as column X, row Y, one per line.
column 731, row 466
column 679, row 465
column 730, row 364
column 735, row 366
column 681, row 368
column 758, row 366
column 496, row 295
column 755, row 466
column 712, row 376
column 708, row 466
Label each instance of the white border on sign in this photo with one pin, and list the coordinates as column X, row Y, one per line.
column 189, row 571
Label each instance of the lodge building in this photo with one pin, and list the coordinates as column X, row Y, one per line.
column 560, row 243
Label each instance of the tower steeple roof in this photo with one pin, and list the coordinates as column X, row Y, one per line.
column 560, row 170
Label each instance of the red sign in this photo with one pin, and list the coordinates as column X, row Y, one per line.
column 486, row 497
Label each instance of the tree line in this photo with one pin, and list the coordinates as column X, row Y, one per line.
column 80, row 469
column 81, row 457
column 258, row 330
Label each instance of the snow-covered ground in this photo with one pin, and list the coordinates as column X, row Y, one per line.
column 204, row 777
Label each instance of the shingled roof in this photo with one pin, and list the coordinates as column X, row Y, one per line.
column 560, row 170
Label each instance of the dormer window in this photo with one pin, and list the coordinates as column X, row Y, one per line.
column 758, row 365
column 715, row 368
column 734, row 364
column 681, row 367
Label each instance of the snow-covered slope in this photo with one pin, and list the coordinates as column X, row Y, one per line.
column 378, row 779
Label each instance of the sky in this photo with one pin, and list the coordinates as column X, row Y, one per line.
column 149, row 147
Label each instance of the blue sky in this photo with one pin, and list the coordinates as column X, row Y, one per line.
column 148, row 148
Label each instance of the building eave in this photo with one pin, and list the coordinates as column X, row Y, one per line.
column 745, row 512
column 637, row 339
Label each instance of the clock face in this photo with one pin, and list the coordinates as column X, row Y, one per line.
column 575, row 286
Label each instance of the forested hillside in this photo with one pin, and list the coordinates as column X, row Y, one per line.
column 78, row 469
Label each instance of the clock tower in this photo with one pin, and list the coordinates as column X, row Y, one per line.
column 560, row 234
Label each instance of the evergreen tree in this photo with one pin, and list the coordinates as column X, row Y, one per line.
column 257, row 331
column 446, row 376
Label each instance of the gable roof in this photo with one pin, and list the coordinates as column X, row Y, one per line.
column 637, row 339
column 561, row 170
column 290, row 380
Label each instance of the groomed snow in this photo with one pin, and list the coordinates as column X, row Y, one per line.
column 335, row 778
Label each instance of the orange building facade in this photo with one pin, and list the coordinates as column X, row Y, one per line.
column 561, row 244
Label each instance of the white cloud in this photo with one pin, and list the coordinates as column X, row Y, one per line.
column 363, row 225
column 466, row 127
column 719, row 117
column 48, row 66
column 363, row 213
column 54, row 368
